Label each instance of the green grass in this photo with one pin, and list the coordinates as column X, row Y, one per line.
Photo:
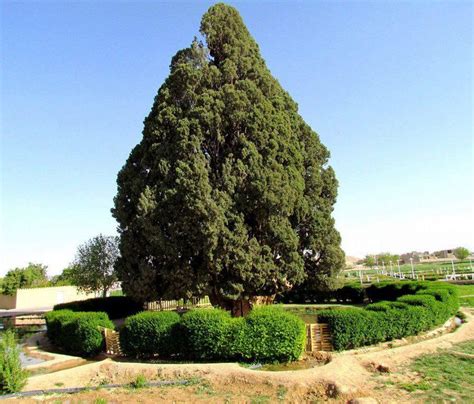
column 466, row 295
column 466, row 301
column 465, row 347
column 444, row 376
column 465, row 290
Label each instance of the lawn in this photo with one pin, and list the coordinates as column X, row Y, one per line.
column 441, row 377
column 449, row 377
column 466, row 295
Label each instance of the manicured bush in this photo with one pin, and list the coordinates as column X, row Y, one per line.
column 150, row 333
column 206, row 334
column 391, row 291
column 114, row 306
column 82, row 336
column 351, row 328
column 12, row 376
column 77, row 333
column 267, row 334
column 425, row 304
column 54, row 322
column 350, row 294
column 270, row 334
column 354, row 294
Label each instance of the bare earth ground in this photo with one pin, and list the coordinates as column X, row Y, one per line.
column 350, row 375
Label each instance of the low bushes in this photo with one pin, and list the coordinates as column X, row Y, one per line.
column 77, row 333
column 114, row 306
column 267, row 334
column 428, row 305
column 207, row 334
column 149, row 333
column 270, row 334
column 354, row 294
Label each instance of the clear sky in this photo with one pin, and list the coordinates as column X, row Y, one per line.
column 387, row 85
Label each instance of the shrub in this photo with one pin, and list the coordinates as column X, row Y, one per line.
column 347, row 294
column 350, row 294
column 12, row 376
column 206, row 334
column 150, row 333
column 54, row 321
column 270, row 334
column 409, row 309
column 77, row 333
column 114, row 306
column 352, row 328
column 391, row 291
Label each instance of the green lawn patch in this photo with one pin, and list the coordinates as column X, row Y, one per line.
column 444, row 376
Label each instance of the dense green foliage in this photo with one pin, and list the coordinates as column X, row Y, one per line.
column 77, row 333
column 114, row 306
column 150, row 333
column 32, row 276
column 390, row 290
column 228, row 194
column 461, row 253
column 12, row 376
column 270, row 334
column 267, row 334
column 64, row 278
column 410, row 308
column 354, row 294
column 207, row 334
column 94, row 265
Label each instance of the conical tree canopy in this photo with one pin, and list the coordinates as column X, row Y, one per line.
column 228, row 194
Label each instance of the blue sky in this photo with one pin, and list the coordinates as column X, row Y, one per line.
column 387, row 85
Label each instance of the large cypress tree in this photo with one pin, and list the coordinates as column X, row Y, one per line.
column 229, row 193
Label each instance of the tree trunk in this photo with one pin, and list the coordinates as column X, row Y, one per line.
column 240, row 307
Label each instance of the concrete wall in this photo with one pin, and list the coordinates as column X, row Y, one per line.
column 48, row 297
column 7, row 302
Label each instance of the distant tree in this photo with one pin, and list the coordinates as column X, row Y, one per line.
column 64, row 278
column 386, row 258
column 394, row 258
column 369, row 261
column 461, row 253
column 31, row 276
column 93, row 268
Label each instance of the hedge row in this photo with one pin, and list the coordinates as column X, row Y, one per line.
column 355, row 294
column 431, row 304
column 348, row 294
column 77, row 333
column 267, row 334
column 114, row 306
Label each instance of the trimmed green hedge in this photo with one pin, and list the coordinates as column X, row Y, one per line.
column 267, row 334
column 206, row 334
column 429, row 304
column 150, row 333
column 77, row 333
column 270, row 334
column 114, row 306
column 348, row 294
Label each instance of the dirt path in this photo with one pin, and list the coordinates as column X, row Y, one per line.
column 348, row 375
